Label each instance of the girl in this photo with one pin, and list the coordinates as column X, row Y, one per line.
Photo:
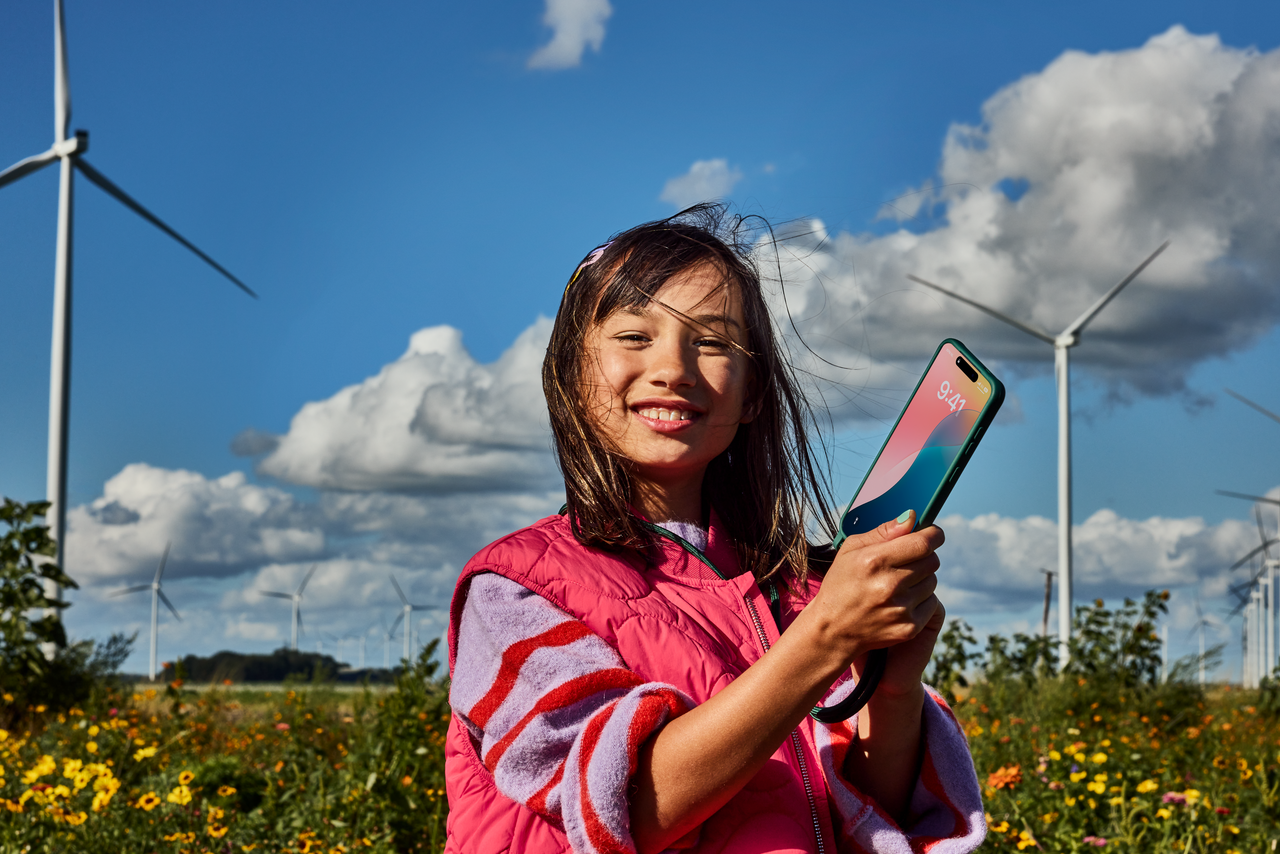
column 636, row 672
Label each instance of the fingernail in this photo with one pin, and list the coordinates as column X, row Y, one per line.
column 906, row 514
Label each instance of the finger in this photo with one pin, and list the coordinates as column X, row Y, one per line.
column 890, row 530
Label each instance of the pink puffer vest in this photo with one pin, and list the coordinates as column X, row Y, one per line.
column 670, row 625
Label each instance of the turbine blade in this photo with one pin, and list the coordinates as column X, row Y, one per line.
column 303, row 585
column 133, row 589
column 23, row 168
column 1262, row 534
column 1247, row 497
column 163, row 559
column 124, row 198
column 299, row 621
column 1030, row 330
column 1240, row 397
column 1257, row 549
column 168, row 604
column 1098, row 306
column 61, row 83
column 288, row 596
column 399, row 592
column 391, row 632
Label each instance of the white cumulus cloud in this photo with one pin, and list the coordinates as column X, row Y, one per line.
column 575, row 26
column 706, row 180
column 217, row 527
column 1075, row 175
column 434, row 421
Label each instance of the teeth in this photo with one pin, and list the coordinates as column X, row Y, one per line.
column 667, row 414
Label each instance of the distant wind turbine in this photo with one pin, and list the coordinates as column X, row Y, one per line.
column 1061, row 343
column 157, row 596
column 69, row 152
column 296, row 598
column 1202, row 622
column 406, row 616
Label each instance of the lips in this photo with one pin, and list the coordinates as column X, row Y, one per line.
column 666, row 416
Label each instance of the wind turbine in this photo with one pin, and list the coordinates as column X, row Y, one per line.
column 1202, row 622
column 69, row 152
column 1062, row 343
column 296, row 598
column 406, row 615
column 1258, row 596
column 157, row 596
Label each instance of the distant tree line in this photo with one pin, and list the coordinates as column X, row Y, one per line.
column 280, row 665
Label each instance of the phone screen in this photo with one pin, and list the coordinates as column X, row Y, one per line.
column 928, row 437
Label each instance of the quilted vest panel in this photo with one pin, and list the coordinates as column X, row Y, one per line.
column 670, row 624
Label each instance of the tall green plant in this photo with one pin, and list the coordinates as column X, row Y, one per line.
column 26, row 553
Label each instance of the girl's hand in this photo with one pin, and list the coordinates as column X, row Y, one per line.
column 879, row 593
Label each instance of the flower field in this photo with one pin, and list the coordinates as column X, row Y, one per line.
column 292, row 770
column 1104, row 756
column 1131, row 777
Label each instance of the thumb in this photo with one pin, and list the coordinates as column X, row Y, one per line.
column 890, row 530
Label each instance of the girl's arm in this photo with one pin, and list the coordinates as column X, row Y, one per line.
column 878, row 593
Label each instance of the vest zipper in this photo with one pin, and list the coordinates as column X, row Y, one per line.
column 796, row 744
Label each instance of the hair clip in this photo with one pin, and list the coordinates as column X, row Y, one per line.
column 587, row 262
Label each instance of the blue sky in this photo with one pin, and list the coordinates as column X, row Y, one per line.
column 376, row 171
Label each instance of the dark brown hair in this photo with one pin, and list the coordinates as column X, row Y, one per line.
column 765, row 487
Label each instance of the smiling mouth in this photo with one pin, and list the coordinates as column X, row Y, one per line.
column 658, row 413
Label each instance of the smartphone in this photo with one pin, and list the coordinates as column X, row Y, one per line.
column 953, row 404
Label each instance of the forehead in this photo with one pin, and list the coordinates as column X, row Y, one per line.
column 700, row 292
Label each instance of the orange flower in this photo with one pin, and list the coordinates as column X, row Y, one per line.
column 1009, row 776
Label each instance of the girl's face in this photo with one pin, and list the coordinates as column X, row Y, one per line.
column 668, row 391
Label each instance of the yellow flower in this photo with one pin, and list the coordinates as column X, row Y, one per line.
column 1055, row 755
column 144, row 753
column 218, row 831
column 1049, row 817
column 1241, row 763
column 1070, row 801
column 181, row 837
column 1098, row 758
column 1078, row 776
column 186, row 777
column 1192, row 795
column 8, row 698
column 1097, row 787
column 1079, row 757
column 1115, row 802
column 1245, row 775
column 215, row 815
column 1147, row 786
column 226, row 791
column 92, row 746
column 149, row 801
column 1163, row 813
column 1106, row 742
column 180, row 795
column 93, row 730
column 249, row 847
column 71, row 767
column 1233, row 828
column 1025, row 840
column 1093, row 805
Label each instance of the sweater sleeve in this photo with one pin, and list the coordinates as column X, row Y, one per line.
column 946, row 805
column 558, row 716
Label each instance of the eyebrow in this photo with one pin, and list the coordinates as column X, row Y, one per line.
column 700, row 319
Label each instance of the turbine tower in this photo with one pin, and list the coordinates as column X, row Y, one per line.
column 69, row 152
column 296, row 598
column 157, row 596
column 406, row 616
column 1062, row 344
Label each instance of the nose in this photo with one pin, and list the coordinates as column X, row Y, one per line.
column 673, row 365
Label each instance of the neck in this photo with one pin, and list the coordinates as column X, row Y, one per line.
column 677, row 501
